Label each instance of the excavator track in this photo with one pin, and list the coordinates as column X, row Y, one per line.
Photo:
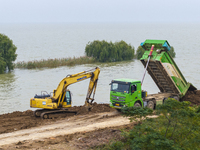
column 48, row 113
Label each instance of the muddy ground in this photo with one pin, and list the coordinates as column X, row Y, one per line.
column 84, row 140
column 17, row 121
column 193, row 97
column 23, row 120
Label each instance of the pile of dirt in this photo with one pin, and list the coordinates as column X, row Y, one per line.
column 96, row 108
column 193, row 97
column 19, row 120
column 23, row 120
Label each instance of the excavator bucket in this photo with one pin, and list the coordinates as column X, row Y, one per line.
column 87, row 107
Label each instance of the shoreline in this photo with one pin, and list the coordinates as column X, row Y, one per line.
column 53, row 63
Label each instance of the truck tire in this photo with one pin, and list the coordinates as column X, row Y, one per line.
column 150, row 104
column 176, row 98
column 137, row 104
column 119, row 110
column 164, row 99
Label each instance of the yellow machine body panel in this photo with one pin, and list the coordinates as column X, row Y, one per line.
column 42, row 103
column 46, row 103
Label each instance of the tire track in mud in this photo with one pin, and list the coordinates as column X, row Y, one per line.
column 17, row 120
column 71, row 125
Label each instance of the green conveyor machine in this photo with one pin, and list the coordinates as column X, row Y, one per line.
column 163, row 69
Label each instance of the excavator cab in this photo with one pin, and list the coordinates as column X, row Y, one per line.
column 68, row 98
column 67, row 102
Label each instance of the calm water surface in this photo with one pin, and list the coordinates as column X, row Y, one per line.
column 43, row 41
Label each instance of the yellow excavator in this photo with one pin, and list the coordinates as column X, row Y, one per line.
column 61, row 97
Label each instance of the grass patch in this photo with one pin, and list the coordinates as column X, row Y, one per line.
column 53, row 63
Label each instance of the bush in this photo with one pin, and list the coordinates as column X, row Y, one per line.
column 171, row 52
column 7, row 53
column 140, row 51
column 177, row 126
column 103, row 51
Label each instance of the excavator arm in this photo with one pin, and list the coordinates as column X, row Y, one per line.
column 92, row 88
column 59, row 93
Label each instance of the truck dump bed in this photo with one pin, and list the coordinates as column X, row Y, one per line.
column 163, row 69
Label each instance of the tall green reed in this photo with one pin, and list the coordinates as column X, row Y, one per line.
column 53, row 63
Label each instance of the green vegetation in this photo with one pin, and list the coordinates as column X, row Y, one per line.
column 176, row 128
column 140, row 51
column 51, row 63
column 7, row 53
column 103, row 51
column 171, row 52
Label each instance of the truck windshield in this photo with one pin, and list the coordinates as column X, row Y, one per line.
column 118, row 87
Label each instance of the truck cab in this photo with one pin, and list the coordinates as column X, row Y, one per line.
column 126, row 92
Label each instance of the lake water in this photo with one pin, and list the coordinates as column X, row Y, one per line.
column 44, row 41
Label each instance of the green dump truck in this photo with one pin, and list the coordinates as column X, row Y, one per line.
column 163, row 70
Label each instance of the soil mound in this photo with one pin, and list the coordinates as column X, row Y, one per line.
column 96, row 108
column 193, row 97
column 23, row 120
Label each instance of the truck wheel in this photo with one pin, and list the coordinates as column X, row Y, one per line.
column 164, row 99
column 176, row 98
column 150, row 104
column 119, row 110
column 137, row 104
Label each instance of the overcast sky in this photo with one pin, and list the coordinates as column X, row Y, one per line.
column 99, row 11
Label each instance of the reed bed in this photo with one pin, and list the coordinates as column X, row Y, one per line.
column 53, row 63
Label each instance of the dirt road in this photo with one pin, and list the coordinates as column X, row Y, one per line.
column 74, row 126
column 83, row 123
column 24, row 120
column 22, row 129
